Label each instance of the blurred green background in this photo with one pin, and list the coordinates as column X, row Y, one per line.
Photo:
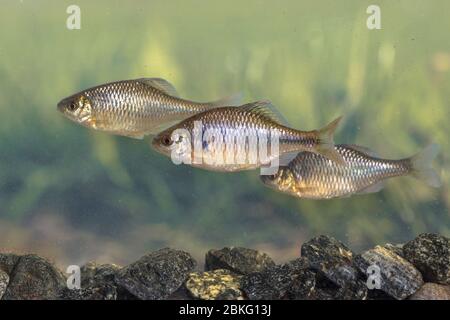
column 73, row 194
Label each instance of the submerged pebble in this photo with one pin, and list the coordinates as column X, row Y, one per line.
column 238, row 260
column 219, row 284
column 398, row 277
column 430, row 254
column 157, row 274
column 432, row 291
column 33, row 278
column 292, row 280
column 4, row 280
column 334, row 261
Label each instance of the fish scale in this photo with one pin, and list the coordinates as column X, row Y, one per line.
column 313, row 176
column 258, row 122
column 133, row 108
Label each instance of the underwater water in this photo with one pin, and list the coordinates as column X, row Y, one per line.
column 73, row 194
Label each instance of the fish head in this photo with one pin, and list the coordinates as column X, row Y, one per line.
column 173, row 142
column 283, row 180
column 77, row 108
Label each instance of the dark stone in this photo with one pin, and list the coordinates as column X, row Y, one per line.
column 218, row 284
column 103, row 292
column 98, row 283
column 397, row 277
column 33, row 278
column 8, row 261
column 181, row 294
column 4, row 281
column 432, row 291
column 293, row 280
column 156, row 275
column 430, row 254
column 238, row 260
column 332, row 259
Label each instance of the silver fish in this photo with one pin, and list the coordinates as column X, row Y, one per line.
column 244, row 127
column 312, row 176
column 133, row 108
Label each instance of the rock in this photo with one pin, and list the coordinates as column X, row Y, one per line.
column 157, row 274
column 104, row 292
column 398, row 277
column 396, row 248
column 8, row 261
column 332, row 259
column 4, row 280
column 237, row 260
column 292, row 280
column 430, row 254
column 98, row 283
column 432, row 291
column 93, row 274
column 214, row 285
column 34, row 278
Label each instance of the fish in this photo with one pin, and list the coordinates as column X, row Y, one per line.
column 239, row 134
column 133, row 108
column 312, row 176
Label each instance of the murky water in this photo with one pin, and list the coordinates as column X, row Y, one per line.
column 73, row 194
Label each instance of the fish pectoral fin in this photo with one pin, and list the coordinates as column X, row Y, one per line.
column 266, row 109
column 362, row 149
column 138, row 136
column 160, row 84
column 372, row 188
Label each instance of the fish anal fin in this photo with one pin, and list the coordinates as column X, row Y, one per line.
column 372, row 188
column 160, row 84
column 266, row 109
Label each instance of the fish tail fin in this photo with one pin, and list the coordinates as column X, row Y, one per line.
column 422, row 166
column 229, row 101
column 326, row 145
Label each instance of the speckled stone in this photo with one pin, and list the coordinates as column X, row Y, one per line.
column 399, row 278
column 238, row 260
column 98, row 283
column 156, row 275
column 214, row 285
column 432, row 291
column 4, row 280
column 34, row 278
column 430, row 254
column 333, row 260
column 293, row 280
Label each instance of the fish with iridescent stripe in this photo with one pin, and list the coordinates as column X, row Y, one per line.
column 313, row 176
column 256, row 120
column 133, row 108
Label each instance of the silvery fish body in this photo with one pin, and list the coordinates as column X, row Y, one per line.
column 233, row 138
column 312, row 176
column 132, row 108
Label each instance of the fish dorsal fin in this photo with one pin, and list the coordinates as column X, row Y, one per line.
column 230, row 101
column 362, row 149
column 266, row 109
column 372, row 188
column 160, row 84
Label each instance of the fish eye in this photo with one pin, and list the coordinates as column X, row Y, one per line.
column 166, row 141
column 72, row 106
